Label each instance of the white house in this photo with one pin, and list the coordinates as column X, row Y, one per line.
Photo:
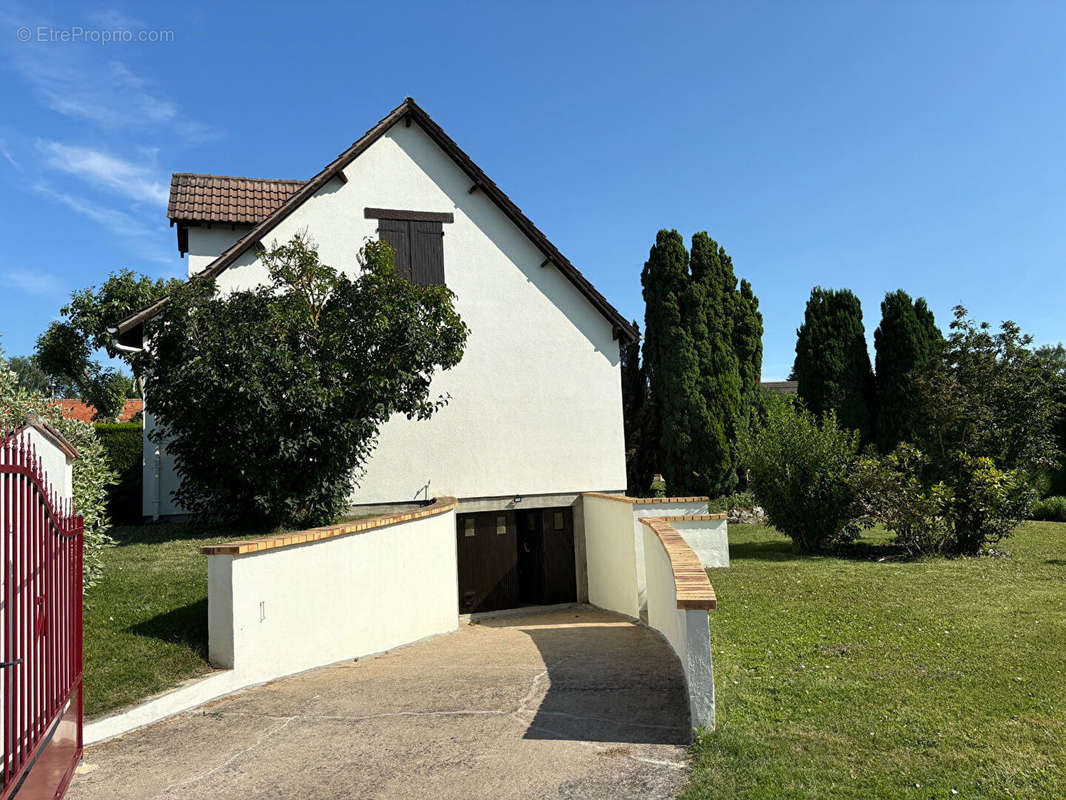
column 535, row 415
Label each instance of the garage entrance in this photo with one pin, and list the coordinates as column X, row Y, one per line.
column 509, row 559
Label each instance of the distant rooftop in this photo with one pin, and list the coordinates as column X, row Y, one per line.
column 781, row 387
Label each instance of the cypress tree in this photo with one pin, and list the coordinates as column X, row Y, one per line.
column 670, row 361
column 832, row 361
column 716, row 405
column 634, row 412
column 906, row 338
column 747, row 342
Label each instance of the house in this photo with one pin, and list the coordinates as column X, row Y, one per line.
column 80, row 410
column 535, row 415
column 781, row 387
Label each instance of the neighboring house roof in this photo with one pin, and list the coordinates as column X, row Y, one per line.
column 76, row 409
column 223, row 198
column 781, row 387
column 408, row 111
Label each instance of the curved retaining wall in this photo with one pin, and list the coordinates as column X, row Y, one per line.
column 679, row 597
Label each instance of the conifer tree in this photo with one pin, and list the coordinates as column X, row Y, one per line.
column 670, row 361
column 747, row 342
column 832, row 361
column 906, row 338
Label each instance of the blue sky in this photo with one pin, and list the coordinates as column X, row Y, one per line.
column 913, row 145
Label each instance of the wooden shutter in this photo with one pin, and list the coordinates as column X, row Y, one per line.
column 397, row 233
column 427, row 253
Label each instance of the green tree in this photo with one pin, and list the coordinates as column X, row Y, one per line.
column 716, row 404
column 670, row 361
column 905, row 340
column 634, row 417
column 270, row 400
column 832, row 361
column 747, row 342
column 1053, row 358
column 65, row 351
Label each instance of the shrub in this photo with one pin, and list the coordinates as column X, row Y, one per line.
column 270, row 400
column 976, row 505
column 92, row 473
column 890, row 490
column 798, row 471
column 1050, row 509
column 123, row 444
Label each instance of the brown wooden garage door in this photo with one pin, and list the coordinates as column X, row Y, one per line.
column 507, row 559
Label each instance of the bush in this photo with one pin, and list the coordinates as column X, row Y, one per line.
column 124, row 447
column 92, row 473
column 270, row 400
column 1050, row 509
column 976, row 504
column 798, row 471
column 889, row 490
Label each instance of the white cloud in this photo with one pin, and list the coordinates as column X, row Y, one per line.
column 6, row 153
column 136, row 181
column 76, row 82
column 140, row 238
column 36, row 282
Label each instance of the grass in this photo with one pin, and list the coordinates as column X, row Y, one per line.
column 146, row 620
column 854, row 678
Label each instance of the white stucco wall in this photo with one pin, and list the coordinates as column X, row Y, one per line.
column 669, row 508
column 536, row 401
column 57, row 466
column 709, row 539
column 289, row 609
column 610, row 554
column 687, row 631
column 206, row 243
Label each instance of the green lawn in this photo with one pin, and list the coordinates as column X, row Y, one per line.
column 856, row 678
column 146, row 621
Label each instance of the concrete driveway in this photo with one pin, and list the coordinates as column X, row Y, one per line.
column 574, row 703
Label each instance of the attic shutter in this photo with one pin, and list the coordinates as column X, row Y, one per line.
column 397, row 233
column 427, row 253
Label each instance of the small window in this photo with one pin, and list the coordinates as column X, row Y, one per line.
column 417, row 241
column 501, row 525
column 468, row 526
column 557, row 520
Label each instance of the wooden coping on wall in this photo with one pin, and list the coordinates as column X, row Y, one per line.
column 691, row 584
column 694, row 517
column 439, row 505
column 640, row 501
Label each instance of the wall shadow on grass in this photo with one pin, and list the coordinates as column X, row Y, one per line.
column 608, row 680
column 185, row 625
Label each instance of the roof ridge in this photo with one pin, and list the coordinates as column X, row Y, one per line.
column 234, row 177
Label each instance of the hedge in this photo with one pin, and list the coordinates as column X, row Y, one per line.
column 123, row 446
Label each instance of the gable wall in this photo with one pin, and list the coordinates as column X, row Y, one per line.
column 536, row 401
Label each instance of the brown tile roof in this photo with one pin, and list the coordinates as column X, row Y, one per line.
column 223, row 198
column 76, row 409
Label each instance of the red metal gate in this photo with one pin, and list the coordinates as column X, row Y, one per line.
column 40, row 627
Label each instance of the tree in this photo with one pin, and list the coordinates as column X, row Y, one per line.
column 669, row 358
column 716, row 406
column 905, row 340
column 270, row 400
column 747, row 342
column 634, row 413
column 1053, row 358
column 65, row 350
column 832, row 361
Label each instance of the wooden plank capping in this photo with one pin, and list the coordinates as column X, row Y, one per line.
column 642, row 501
column 439, row 505
column 691, row 584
